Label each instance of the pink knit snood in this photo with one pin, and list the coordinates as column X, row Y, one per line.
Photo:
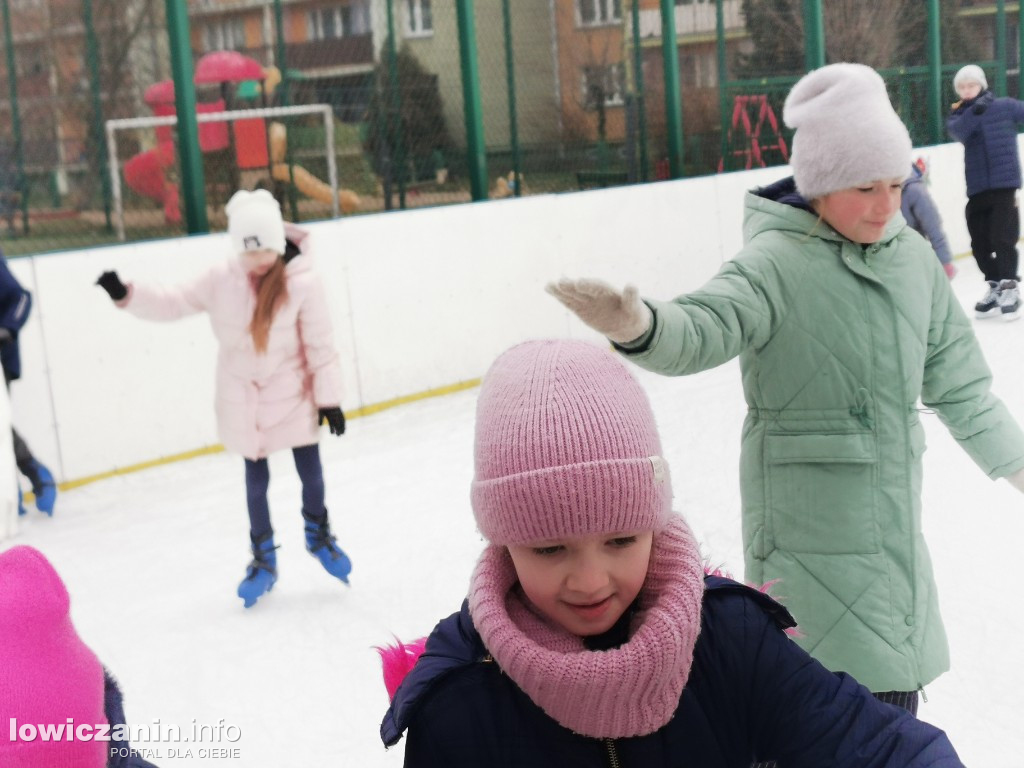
column 627, row 691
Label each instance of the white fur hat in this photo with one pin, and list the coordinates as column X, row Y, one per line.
column 970, row 73
column 847, row 132
column 254, row 221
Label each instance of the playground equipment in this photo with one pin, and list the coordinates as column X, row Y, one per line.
column 304, row 181
column 749, row 140
column 246, row 143
column 166, row 159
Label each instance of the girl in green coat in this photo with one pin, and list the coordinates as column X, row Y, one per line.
column 843, row 321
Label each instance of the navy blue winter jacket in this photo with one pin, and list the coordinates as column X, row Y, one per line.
column 987, row 127
column 15, row 303
column 119, row 753
column 752, row 694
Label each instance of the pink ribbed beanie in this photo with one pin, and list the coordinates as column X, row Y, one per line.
column 47, row 674
column 566, row 445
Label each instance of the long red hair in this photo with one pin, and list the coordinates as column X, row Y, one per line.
column 271, row 293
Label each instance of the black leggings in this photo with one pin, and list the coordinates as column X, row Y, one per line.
column 257, row 481
column 22, row 455
column 25, row 461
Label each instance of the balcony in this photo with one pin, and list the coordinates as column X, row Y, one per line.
column 342, row 52
column 695, row 18
column 355, row 51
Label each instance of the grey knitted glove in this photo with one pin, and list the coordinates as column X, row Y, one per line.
column 621, row 316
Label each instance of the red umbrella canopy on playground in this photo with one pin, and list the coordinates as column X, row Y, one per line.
column 160, row 93
column 227, row 67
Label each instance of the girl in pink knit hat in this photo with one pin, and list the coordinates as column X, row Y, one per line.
column 591, row 634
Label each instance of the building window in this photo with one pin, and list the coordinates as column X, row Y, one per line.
column 607, row 83
column 226, row 35
column 594, row 13
column 338, row 21
column 419, row 19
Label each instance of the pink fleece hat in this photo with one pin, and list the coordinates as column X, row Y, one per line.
column 566, row 445
column 47, row 674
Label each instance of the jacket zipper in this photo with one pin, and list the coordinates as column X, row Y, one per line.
column 613, row 753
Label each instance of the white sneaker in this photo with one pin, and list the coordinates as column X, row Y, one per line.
column 1009, row 300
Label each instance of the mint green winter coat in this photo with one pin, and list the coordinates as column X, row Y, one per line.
column 838, row 346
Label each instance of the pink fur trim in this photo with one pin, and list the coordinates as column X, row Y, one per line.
column 766, row 588
column 397, row 661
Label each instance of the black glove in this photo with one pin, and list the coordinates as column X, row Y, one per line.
column 979, row 108
column 6, row 337
column 111, row 283
column 334, row 418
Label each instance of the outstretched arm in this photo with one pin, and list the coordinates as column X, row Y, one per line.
column 151, row 302
column 813, row 717
column 619, row 315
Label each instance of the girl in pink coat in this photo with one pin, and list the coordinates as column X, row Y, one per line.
column 278, row 376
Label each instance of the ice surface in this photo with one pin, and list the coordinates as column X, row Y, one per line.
column 152, row 560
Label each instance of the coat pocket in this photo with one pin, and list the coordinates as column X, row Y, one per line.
column 821, row 493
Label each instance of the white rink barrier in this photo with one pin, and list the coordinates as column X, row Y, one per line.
column 8, row 476
column 421, row 300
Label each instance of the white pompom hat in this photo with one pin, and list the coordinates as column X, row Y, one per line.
column 971, row 73
column 847, row 132
column 254, row 221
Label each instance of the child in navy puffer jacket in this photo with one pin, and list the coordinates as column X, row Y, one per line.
column 590, row 635
column 987, row 127
column 15, row 306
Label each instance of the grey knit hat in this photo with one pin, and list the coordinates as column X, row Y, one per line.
column 847, row 132
column 970, row 73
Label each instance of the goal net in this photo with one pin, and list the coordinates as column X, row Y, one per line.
column 240, row 149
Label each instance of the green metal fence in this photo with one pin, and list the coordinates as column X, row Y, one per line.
column 434, row 101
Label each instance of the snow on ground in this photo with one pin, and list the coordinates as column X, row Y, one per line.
column 152, row 560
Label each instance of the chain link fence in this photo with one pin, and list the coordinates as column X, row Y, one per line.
column 534, row 96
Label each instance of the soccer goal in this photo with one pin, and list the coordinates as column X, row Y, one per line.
column 146, row 169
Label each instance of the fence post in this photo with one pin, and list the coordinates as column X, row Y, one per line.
column 1020, row 50
column 394, row 125
column 1001, row 47
column 19, row 147
column 723, row 79
column 281, row 59
column 673, row 97
column 475, row 152
column 638, row 86
column 193, row 182
column 934, row 73
column 92, row 57
column 814, row 35
column 510, row 80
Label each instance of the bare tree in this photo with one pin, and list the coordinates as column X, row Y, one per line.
column 881, row 34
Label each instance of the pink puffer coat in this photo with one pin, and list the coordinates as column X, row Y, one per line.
column 264, row 402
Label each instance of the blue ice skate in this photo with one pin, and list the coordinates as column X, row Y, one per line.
column 45, row 489
column 21, row 504
column 262, row 571
column 322, row 546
